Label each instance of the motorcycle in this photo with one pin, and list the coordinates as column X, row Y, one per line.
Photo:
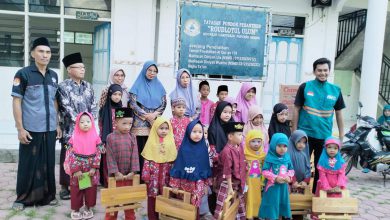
column 364, row 145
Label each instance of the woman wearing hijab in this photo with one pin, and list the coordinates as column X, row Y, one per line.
column 117, row 76
column 184, row 89
column 148, row 100
column 298, row 149
column 256, row 122
column 279, row 122
column 245, row 99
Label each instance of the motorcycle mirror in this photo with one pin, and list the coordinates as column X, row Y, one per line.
column 360, row 104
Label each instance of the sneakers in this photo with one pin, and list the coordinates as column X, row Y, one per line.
column 87, row 214
column 75, row 215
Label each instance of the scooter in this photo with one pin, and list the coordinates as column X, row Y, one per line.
column 362, row 145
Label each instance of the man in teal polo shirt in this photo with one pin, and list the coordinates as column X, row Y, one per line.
column 315, row 103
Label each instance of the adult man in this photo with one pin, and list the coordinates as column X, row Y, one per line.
column 76, row 95
column 35, row 110
column 314, row 105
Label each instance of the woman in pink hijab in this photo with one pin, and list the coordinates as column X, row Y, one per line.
column 245, row 99
column 256, row 122
column 117, row 76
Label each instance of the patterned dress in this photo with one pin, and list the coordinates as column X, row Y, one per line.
column 157, row 174
column 179, row 126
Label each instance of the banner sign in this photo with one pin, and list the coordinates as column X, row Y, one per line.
column 223, row 40
column 287, row 95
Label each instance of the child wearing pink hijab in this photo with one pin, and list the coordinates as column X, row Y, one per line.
column 245, row 99
column 82, row 160
column 256, row 122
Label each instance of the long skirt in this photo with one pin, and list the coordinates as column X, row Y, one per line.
column 35, row 184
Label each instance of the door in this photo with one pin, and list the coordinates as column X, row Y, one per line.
column 284, row 68
column 101, row 57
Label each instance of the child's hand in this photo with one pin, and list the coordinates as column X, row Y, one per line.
column 295, row 185
column 118, row 176
column 129, row 176
column 103, row 150
column 175, row 190
column 337, row 189
column 303, row 184
column 279, row 180
column 230, row 190
column 78, row 175
column 287, row 179
column 206, row 190
column 92, row 172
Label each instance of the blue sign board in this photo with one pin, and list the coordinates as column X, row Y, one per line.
column 222, row 41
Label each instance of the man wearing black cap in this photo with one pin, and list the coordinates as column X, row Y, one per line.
column 76, row 95
column 35, row 107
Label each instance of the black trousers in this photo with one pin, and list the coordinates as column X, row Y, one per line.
column 35, row 184
column 316, row 145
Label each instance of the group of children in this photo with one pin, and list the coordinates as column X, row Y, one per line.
column 237, row 156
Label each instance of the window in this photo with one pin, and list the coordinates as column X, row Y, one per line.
column 44, row 6
column 101, row 7
column 290, row 23
column 11, row 40
column 12, row 5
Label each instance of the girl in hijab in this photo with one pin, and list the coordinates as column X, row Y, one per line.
column 148, row 100
column 106, row 124
column 254, row 157
column 298, row 149
column 185, row 89
column 256, row 122
column 279, row 122
column 233, row 102
column 159, row 153
column 191, row 170
column 278, row 171
column 385, row 117
column 331, row 169
column 82, row 161
column 245, row 99
column 117, row 76
column 217, row 137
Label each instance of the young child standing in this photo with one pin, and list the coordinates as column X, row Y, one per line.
column 233, row 102
column 217, row 137
column 245, row 99
column 107, row 125
column 159, row 153
column 385, row 117
column 278, row 172
column 279, row 122
column 179, row 121
column 298, row 149
column 206, row 103
column 122, row 154
column 82, row 161
column 191, row 170
column 331, row 169
column 222, row 93
column 231, row 169
column 254, row 156
column 256, row 122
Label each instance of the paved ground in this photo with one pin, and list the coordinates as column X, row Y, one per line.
column 368, row 188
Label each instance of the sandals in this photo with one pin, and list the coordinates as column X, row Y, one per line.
column 17, row 206
column 64, row 194
column 76, row 215
column 87, row 214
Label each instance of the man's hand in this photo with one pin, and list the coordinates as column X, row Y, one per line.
column 24, row 137
column 59, row 133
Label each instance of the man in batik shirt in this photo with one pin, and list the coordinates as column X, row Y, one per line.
column 76, row 95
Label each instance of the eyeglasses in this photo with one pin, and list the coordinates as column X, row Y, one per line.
column 152, row 71
column 77, row 67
